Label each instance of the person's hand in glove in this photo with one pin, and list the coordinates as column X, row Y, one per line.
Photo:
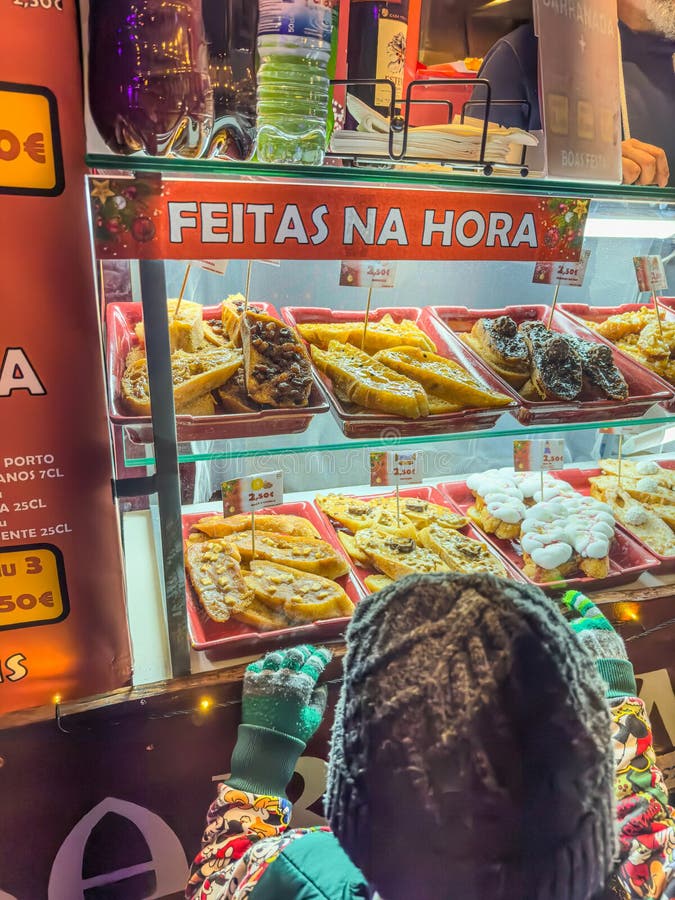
column 282, row 707
column 596, row 634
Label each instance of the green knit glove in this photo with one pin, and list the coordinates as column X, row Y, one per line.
column 596, row 634
column 282, row 707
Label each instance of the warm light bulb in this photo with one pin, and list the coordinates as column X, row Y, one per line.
column 57, row 699
column 205, row 704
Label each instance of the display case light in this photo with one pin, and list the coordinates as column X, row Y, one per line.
column 630, row 228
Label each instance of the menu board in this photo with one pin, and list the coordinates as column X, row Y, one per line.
column 579, row 88
column 63, row 626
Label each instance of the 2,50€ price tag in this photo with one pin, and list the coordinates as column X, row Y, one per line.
column 538, row 456
column 32, row 586
column 254, row 492
column 390, row 467
column 570, row 274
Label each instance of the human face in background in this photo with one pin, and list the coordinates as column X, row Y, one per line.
column 661, row 15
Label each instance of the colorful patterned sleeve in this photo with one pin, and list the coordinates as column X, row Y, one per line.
column 244, row 834
column 646, row 821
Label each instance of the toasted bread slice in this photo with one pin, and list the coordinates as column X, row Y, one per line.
column 397, row 557
column 259, row 615
column 441, row 377
column 219, row 526
column 356, row 514
column 304, row 597
column 194, row 374
column 186, row 330
column 201, row 406
column 379, row 335
column 276, row 363
column 440, row 407
column 633, row 469
column 231, row 313
column 215, row 573
column 307, row 554
column 461, row 553
column 234, row 397
column 214, row 336
column 376, row 583
column 348, row 542
column 369, row 383
column 516, row 377
column 134, row 355
column 643, row 522
column 422, row 512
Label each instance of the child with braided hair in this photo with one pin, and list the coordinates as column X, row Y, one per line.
column 471, row 757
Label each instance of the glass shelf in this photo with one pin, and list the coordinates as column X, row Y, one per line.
column 190, row 168
column 324, row 436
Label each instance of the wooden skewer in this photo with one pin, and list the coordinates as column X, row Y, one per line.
column 365, row 324
column 656, row 312
column 182, row 290
column 620, row 460
column 553, row 306
column 542, row 485
column 398, row 506
column 252, row 535
column 248, row 284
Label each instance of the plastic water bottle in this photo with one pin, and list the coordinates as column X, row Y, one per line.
column 294, row 47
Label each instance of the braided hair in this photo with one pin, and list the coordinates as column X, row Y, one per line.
column 471, row 753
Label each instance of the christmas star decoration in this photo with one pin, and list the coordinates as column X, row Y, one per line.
column 101, row 190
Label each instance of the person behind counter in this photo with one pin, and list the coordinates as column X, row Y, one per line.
column 471, row 757
column 647, row 29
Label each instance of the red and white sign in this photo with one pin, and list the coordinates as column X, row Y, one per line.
column 650, row 273
column 569, row 274
column 145, row 218
column 63, row 628
column 363, row 273
column 389, row 467
column 539, row 455
column 252, row 493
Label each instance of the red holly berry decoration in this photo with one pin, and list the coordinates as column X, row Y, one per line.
column 551, row 237
column 113, row 224
column 143, row 229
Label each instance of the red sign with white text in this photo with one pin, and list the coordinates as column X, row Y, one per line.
column 63, row 627
column 147, row 218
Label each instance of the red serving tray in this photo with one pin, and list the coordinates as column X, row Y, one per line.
column 579, row 479
column 645, row 389
column 583, row 313
column 120, row 321
column 628, row 559
column 358, row 423
column 432, row 495
column 230, row 639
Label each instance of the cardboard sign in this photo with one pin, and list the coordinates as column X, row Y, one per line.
column 254, row 492
column 362, row 273
column 539, row 456
column 568, row 274
column 650, row 273
column 237, row 220
column 580, row 89
column 390, row 467
column 63, row 627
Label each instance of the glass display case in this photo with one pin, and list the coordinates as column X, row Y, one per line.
column 436, row 262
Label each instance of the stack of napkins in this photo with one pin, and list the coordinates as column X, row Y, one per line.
column 458, row 141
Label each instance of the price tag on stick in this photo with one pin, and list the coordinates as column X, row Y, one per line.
column 570, row 274
column 539, row 456
column 364, row 273
column 252, row 493
column 389, row 467
column 651, row 276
